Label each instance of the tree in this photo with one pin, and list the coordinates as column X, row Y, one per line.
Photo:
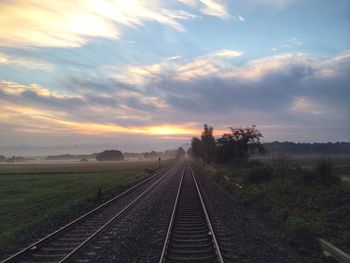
column 189, row 152
column 180, row 153
column 110, row 155
column 235, row 146
column 248, row 140
column 239, row 145
column 207, row 144
column 196, row 147
column 226, row 149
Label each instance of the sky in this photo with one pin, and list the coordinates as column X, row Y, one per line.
column 86, row 75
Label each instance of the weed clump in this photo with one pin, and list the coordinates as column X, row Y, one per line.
column 283, row 164
column 322, row 174
column 99, row 194
column 301, row 236
column 259, row 175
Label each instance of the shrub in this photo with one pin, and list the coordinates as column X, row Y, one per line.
column 301, row 206
column 251, row 196
column 308, row 178
column 218, row 177
column 99, row 194
column 238, row 162
column 283, row 163
column 324, row 169
column 254, row 163
column 259, row 175
column 300, row 235
column 322, row 174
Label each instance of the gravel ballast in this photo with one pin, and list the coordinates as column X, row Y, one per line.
column 138, row 235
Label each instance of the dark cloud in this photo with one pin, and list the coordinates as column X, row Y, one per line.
column 101, row 100
column 136, row 103
column 100, row 85
column 275, row 97
column 52, row 101
column 273, row 93
column 300, row 93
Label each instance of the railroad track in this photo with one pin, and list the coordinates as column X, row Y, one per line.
column 63, row 244
column 190, row 236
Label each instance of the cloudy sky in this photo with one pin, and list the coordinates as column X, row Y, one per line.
column 84, row 75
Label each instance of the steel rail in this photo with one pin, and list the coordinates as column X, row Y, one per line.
column 334, row 252
column 35, row 245
column 172, row 219
column 167, row 238
column 76, row 250
column 216, row 244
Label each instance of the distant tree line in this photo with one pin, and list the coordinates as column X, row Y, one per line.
column 14, row 159
column 107, row 155
column 70, row 156
column 110, row 155
column 308, row 148
column 167, row 154
column 235, row 146
column 151, row 155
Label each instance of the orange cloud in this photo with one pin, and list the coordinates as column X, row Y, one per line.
column 42, row 120
column 202, row 66
column 72, row 23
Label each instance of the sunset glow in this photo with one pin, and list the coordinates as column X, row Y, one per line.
column 150, row 70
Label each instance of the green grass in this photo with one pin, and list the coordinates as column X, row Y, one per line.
column 32, row 195
column 341, row 163
column 293, row 200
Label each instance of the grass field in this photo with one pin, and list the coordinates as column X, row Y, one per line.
column 341, row 163
column 36, row 194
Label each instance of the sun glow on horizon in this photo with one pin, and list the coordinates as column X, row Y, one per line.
column 39, row 121
column 170, row 130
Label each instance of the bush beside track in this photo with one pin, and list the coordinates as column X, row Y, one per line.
column 299, row 205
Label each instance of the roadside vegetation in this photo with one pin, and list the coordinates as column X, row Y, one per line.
column 298, row 203
column 35, row 195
